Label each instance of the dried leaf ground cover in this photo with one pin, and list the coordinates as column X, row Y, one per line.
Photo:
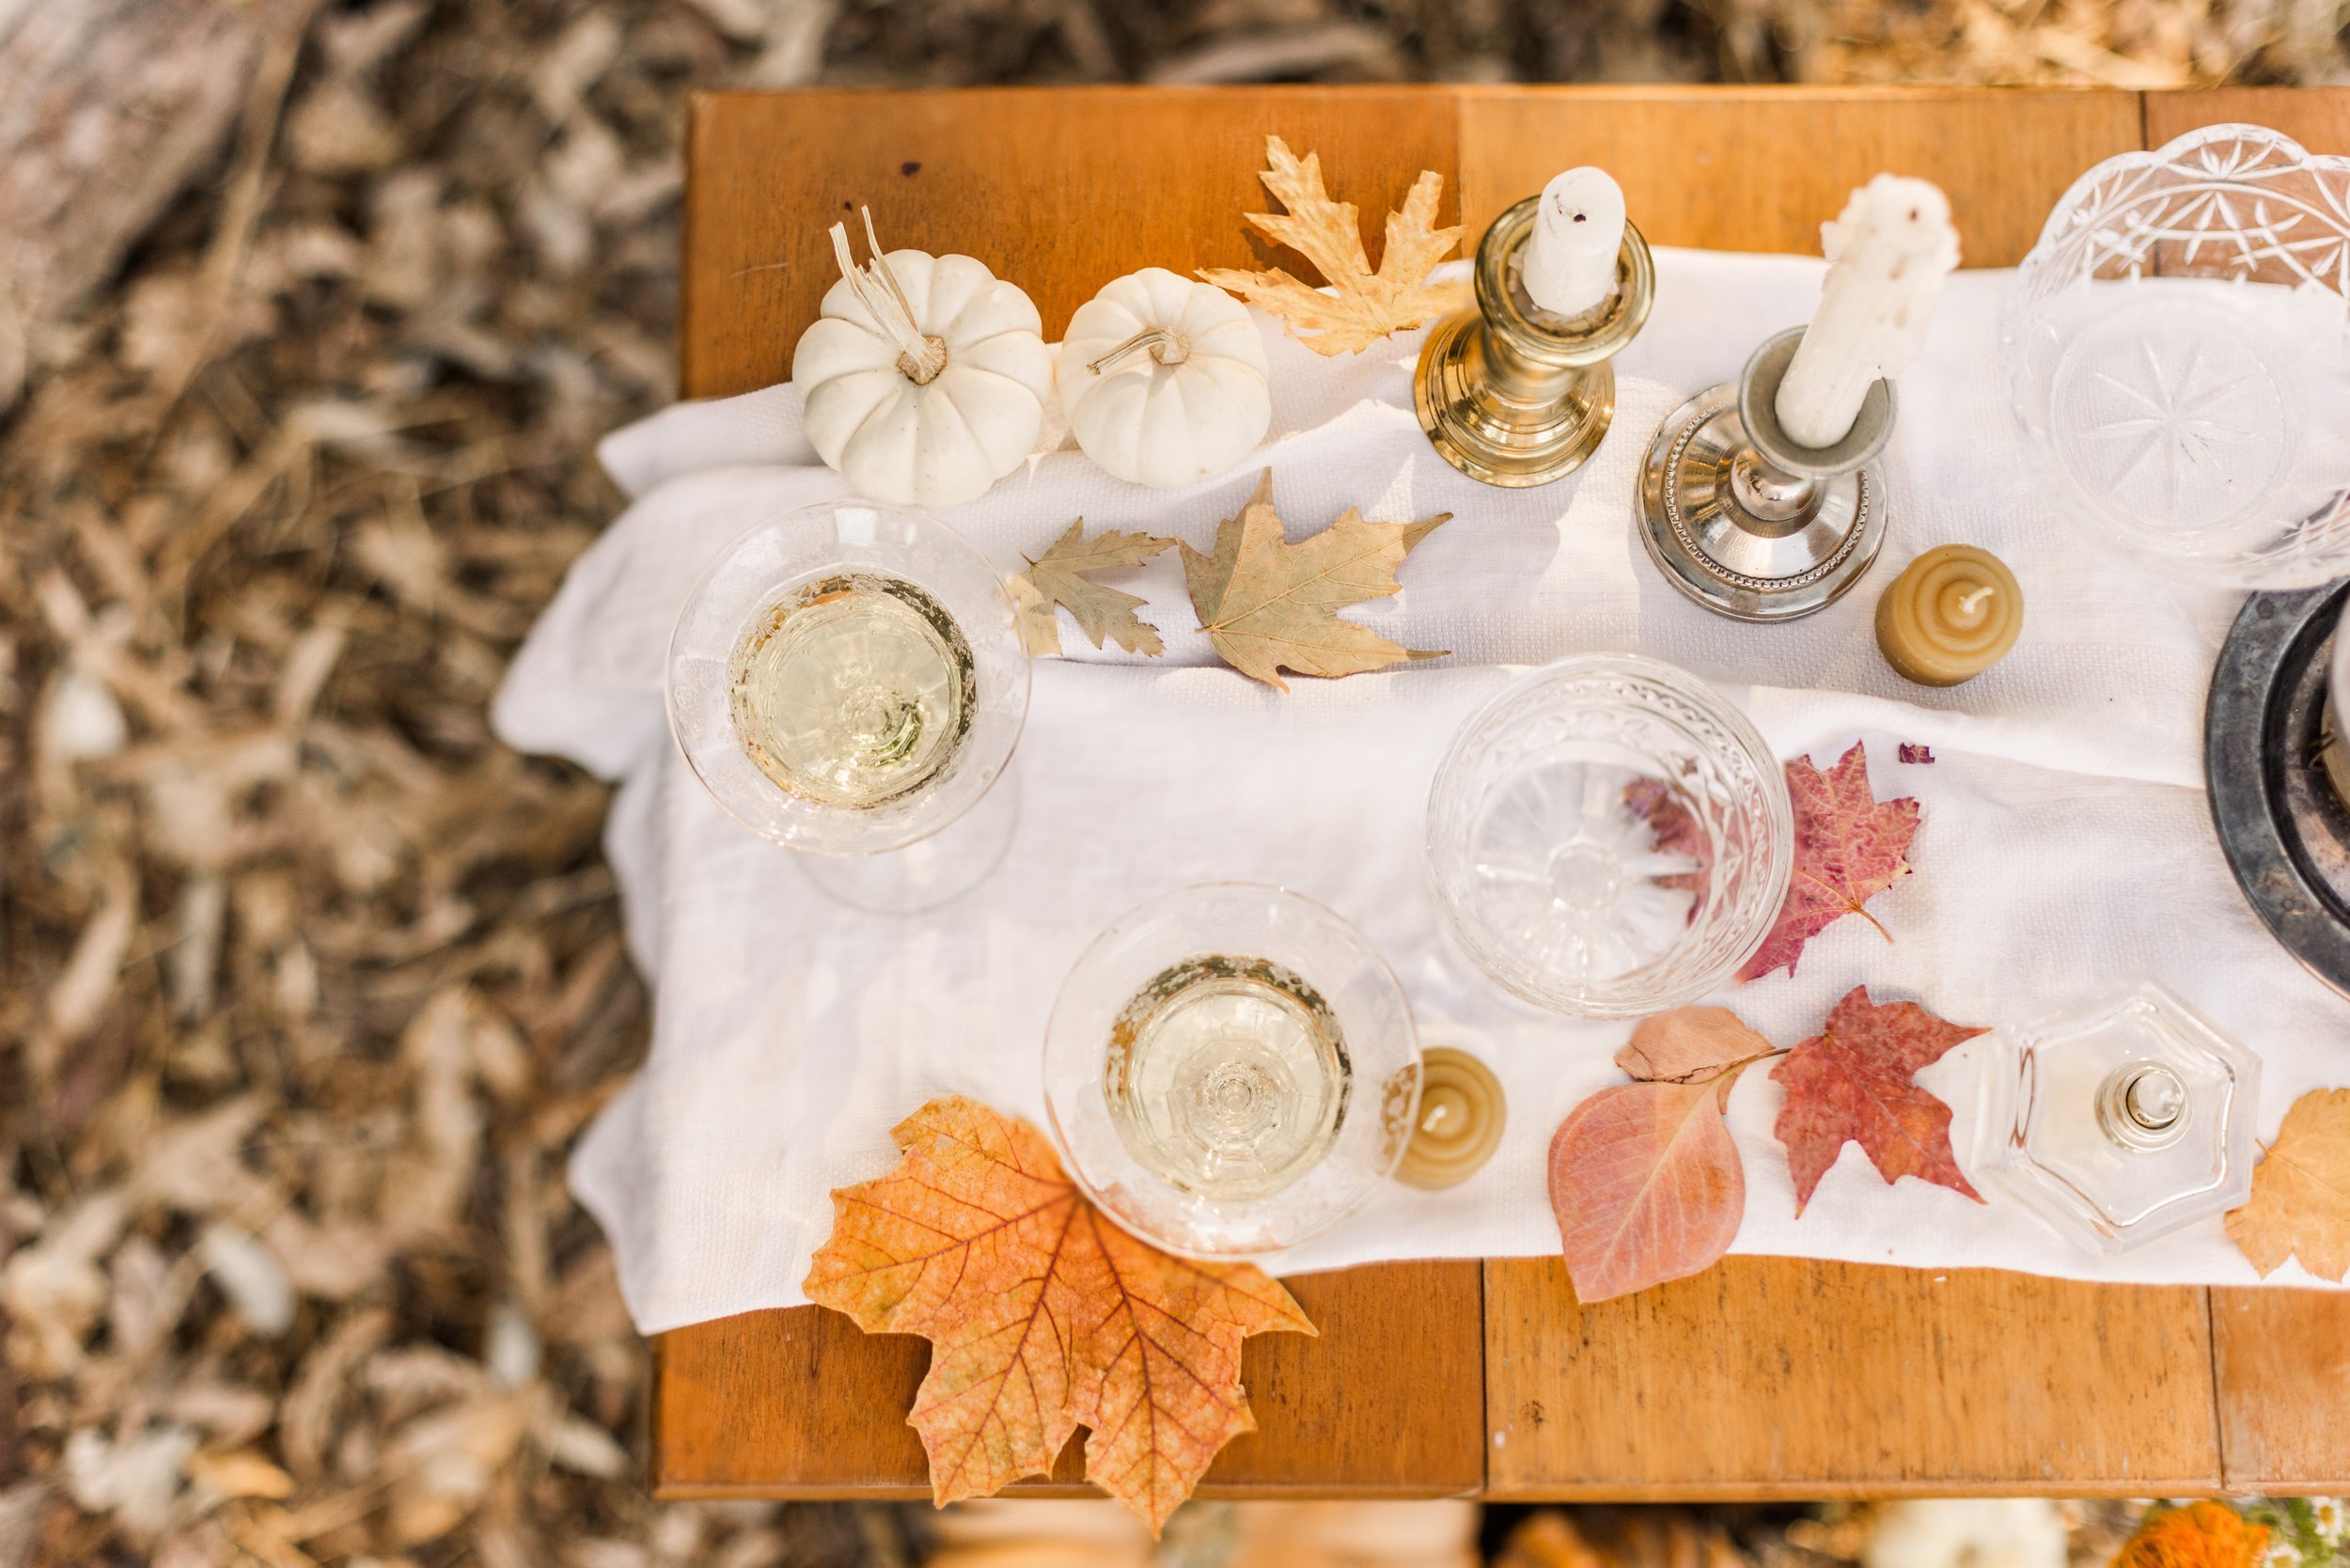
column 310, row 985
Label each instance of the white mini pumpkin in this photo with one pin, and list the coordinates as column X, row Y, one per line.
column 925, row 377
column 1163, row 379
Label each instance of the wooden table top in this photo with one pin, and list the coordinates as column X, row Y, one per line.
column 1762, row 1377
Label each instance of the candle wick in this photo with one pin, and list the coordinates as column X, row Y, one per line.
column 1971, row 600
column 1581, row 216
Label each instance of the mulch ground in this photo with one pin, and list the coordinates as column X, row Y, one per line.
column 310, row 984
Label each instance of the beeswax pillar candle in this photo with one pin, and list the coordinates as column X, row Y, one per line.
column 1888, row 255
column 1578, row 229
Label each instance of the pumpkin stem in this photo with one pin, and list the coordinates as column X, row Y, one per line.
column 1166, row 349
column 920, row 357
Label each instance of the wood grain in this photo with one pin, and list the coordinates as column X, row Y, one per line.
column 1781, row 1377
column 1387, row 1401
column 2319, row 121
column 1059, row 190
column 1760, row 168
column 2282, row 1359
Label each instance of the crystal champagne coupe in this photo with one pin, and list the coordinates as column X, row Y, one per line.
column 848, row 680
column 1609, row 838
column 1230, row 1069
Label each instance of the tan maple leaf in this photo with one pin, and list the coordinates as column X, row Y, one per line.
column 1041, row 1315
column 1269, row 606
column 1057, row 578
column 2300, row 1203
column 1367, row 305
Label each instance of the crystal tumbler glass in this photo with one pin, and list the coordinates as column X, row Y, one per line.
column 2177, row 351
column 847, row 680
column 1230, row 1069
column 1609, row 838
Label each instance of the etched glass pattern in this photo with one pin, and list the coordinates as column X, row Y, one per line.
column 1609, row 838
column 2178, row 357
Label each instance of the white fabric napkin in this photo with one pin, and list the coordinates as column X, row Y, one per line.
column 2066, row 845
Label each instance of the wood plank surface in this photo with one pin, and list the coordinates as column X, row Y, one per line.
column 2318, row 119
column 1765, row 1377
column 1059, row 190
column 1781, row 1377
column 1760, row 168
column 1387, row 1403
column 2282, row 1359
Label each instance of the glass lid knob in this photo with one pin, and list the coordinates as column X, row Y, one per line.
column 2144, row 1105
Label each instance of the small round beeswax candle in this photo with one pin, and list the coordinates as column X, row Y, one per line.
column 1461, row 1116
column 1951, row 614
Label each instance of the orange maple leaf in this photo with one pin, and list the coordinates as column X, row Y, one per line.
column 1041, row 1316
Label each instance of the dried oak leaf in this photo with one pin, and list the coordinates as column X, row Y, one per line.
column 1057, row 578
column 1689, row 1044
column 1647, row 1185
column 2300, row 1205
column 1041, row 1315
column 1367, row 305
column 1269, row 606
column 1849, row 847
column 1852, row 1082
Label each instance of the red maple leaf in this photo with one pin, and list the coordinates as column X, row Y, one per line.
column 1852, row 1083
column 1849, row 847
column 1678, row 832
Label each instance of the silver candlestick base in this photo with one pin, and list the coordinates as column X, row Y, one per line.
column 1745, row 522
column 1512, row 395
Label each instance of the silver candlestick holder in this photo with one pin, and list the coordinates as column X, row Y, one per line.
column 1509, row 393
column 1747, row 522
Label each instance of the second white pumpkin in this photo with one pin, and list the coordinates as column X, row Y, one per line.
column 1184, row 400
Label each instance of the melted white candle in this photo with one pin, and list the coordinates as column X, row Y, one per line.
column 1888, row 255
column 1569, row 263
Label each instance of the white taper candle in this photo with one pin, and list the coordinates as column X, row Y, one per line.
column 1888, row 255
column 1571, row 261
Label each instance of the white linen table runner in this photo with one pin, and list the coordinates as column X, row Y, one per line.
column 2066, row 845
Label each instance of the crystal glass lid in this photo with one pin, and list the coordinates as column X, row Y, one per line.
column 1609, row 838
column 2177, row 351
column 1230, row 1069
column 2121, row 1118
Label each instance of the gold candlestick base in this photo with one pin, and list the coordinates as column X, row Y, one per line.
column 1509, row 393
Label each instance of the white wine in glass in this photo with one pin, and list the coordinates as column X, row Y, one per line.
column 853, row 691
column 1226, row 1077
column 1231, row 1068
column 847, row 680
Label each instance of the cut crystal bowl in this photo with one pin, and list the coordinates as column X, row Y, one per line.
column 2177, row 350
column 1609, row 838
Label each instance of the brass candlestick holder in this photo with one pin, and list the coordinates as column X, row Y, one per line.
column 1511, row 394
column 1749, row 524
